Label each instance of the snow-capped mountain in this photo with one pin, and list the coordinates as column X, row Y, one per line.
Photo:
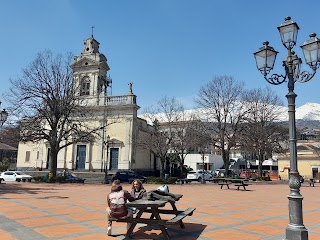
column 306, row 112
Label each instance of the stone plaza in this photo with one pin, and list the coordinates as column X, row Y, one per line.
column 39, row 211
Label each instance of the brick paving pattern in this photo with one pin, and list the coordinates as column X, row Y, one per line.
column 34, row 211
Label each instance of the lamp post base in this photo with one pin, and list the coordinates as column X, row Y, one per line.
column 296, row 233
column 295, row 229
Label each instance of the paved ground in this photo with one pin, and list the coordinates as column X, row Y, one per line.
column 33, row 211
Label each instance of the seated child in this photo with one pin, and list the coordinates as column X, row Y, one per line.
column 117, row 208
column 137, row 189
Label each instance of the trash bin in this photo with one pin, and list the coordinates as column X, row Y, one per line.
column 46, row 177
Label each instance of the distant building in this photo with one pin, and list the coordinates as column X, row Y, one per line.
column 211, row 162
column 308, row 158
column 310, row 134
column 9, row 153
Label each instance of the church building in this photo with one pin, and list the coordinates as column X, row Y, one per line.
column 116, row 146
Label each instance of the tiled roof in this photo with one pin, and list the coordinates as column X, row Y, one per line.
column 4, row 146
column 309, row 147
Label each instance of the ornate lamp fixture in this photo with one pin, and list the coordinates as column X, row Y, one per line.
column 3, row 116
column 265, row 58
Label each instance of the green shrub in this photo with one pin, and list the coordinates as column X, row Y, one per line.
column 57, row 179
column 4, row 164
column 45, row 178
column 171, row 180
column 61, row 179
column 267, row 178
column 39, row 179
column 157, row 180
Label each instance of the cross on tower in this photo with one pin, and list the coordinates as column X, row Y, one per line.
column 92, row 30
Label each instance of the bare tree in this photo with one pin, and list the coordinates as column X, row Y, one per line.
column 44, row 98
column 184, row 133
column 263, row 134
column 221, row 100
column 164, row 117
column 201, row 141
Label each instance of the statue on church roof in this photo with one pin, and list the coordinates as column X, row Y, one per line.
column 130, row 88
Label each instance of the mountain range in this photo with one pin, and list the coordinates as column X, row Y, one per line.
column 308, row 111
column 307, row 116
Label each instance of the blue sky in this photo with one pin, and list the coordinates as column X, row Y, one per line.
column 166, row 48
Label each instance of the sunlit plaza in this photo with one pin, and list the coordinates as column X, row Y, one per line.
column 77, row 211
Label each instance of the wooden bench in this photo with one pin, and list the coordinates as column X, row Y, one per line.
column 120, row 219
column 140, row 220
column 180, row 216
column 241, row 185
column 222, row 184
column 176, row 219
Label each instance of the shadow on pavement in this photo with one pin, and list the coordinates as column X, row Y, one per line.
column 21, row 188
column 191, row 231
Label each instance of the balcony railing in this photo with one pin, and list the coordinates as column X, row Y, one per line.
column 123, row 99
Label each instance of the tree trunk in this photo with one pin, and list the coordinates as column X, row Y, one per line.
column 225, row 158
column 181, row 166
column 162, row 168
column 261, row 159
column 181, row 170
column 53, row 167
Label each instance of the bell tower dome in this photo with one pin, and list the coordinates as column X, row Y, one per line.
column 90, row 73
column 90, row 46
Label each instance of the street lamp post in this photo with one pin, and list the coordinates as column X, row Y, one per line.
column 265, row 58
column 3, row 116
column 106, row 180
column 203, row 181
column 202, row 150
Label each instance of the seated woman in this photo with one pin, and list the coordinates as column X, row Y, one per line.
column 138, row 190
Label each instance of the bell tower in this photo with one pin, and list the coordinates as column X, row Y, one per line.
column 90, row 70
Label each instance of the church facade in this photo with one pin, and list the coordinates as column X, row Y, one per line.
column 116, row 116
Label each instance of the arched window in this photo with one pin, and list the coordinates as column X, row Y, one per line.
column 85, row 86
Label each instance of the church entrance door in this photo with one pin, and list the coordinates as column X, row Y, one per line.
column 114, row 154
column 81, row 157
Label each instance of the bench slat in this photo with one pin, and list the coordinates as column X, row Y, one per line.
column 164, row 211
column 140, row 220
column 180, row 216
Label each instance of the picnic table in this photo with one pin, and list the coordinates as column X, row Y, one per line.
column 238, row 182
column 214, row 180
column 154, row 207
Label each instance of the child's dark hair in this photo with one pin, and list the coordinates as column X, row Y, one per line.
column 116, row 182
